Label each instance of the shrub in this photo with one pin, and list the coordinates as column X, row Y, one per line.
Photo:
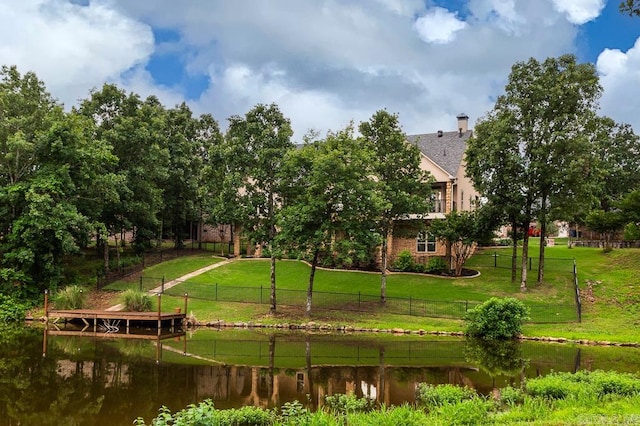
column 205, row 414
column 470, row 412
column 136, row 301
column 435, row 265
column 631, row 232
column 503, row 242
column 614, row 383
column 430, row 396
column 71, row 297
column 511, row 396
column 345, row 404
column 11, row 310
column 554, row 386
column 496, row 319
column 404, row 262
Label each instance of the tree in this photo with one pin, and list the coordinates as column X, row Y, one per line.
column 542, row 123
column 630, row 7
column 462, row 230
column 329, row 201
column 606, row 223
column 135, row 131
column 401, row 183
column 189, row 141
column 257, row 145
column 496, row 168
column 51, row 173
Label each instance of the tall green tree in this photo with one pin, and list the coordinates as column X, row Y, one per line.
column 51, row 174
column 330, row 201
column 496, row 168
column 543, row 120
column 135, row 131
column 401, row 183
column 256, row 146
column 189, row 141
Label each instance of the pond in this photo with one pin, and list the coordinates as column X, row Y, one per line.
column 58, row 378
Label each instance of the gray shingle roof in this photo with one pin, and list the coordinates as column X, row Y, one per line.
column 447, row 150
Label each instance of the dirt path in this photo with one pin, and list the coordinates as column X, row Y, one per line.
column 177, row 281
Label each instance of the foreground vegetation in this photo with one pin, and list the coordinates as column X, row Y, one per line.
column 559, row 398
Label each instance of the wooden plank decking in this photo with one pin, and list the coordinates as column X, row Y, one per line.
column 93, row 317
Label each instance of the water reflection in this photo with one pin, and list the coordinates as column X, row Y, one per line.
column 105, row 381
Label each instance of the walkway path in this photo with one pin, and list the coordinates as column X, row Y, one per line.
column 177, row 281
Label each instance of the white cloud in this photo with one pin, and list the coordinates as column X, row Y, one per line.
column 580, row 11
column 325, row 62
column 620, row 78
column 72, row 48
column 403, row 7
column 438, row 26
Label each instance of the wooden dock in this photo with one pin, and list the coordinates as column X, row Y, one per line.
column 109, row 319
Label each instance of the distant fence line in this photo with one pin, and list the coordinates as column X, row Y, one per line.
column 353, row 302
column 128, row 269
column 556, row 264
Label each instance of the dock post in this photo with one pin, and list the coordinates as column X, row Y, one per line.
column 159, row 313
column 46, row 305
column 186, row 298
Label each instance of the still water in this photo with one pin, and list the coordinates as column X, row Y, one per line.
column 57, row 378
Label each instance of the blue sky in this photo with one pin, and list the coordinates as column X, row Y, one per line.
column 324, row 62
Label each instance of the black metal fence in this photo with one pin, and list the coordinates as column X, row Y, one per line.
column 354, row 302
column 557, row 266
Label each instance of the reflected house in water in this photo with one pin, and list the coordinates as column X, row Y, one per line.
column 239, row 386
column 112, row 374
column 84, row 379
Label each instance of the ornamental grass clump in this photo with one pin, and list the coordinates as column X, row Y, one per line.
column 496, row 319
column 71, row 297
column 136, row 301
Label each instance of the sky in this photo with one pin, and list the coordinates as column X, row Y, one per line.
column 324, row 62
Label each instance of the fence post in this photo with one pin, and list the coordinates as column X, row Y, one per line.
column 140, row 282
column 577, row 289
column 530, row 263
column 162, row 287
column 495, row 259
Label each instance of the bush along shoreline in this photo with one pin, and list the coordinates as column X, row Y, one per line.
column 593, row 398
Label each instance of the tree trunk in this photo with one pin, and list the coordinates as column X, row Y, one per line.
column 115, row 237
column 105, row 253
column 383, row 266
column 447, row 255
column 514, row 250
column 272, row 296
column 525, row 256
column 543, row 238
column 314, row 263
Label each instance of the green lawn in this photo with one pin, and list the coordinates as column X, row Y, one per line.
column 170, row 270
column 612, row 313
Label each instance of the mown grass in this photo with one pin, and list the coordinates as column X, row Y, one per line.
column 170, row 270
column 611, row 312
column 551, row 301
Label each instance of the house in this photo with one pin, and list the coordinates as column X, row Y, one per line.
column 442, row 155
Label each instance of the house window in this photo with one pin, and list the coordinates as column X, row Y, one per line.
column 426, row 243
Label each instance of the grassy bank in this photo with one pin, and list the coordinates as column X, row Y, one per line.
column 609, row 282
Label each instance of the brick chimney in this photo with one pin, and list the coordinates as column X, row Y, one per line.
column 463, row 122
